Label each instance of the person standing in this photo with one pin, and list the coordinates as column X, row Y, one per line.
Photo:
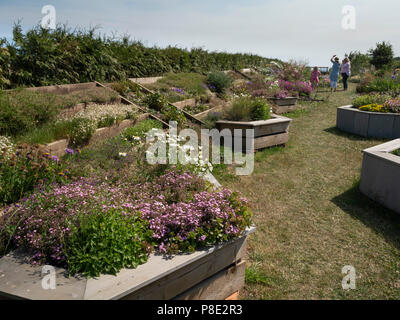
column 345, row 70
column 315, row 78
column 334, row 72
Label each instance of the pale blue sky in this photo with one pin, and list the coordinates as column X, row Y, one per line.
column 287, row 29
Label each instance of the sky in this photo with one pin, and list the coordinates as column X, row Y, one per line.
column 301, row 30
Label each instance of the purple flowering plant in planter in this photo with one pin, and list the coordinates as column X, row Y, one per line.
column 70, row 225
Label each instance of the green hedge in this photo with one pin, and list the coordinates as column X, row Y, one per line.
column 47, row 57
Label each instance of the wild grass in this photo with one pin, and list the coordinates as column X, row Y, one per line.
column 311, row 218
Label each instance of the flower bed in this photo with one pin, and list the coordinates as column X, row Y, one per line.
column 380, row 176
column 134, row 209
column 368, row 124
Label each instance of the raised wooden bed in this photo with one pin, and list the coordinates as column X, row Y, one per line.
column 267, row 133
column 213, row 273
column 57, row 148
column 284, row 105
column 368, row 124
column 380, row 176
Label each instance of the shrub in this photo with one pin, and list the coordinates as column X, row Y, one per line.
column 370, row 99
column 300, row 88
column 382, row 55
column 105, row 243
column 218, row 81
column 172, row 113
column 155, row 101
column 24, row 110
column 21, row 172
column 379, row 85
column 248, row 109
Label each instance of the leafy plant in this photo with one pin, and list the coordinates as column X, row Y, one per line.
column 105, row 243
column 382, row 56
column 373, row 108
column 172, row 113
column 370, row 99
column 155, row 101
column 218, row 81
column 248, row 109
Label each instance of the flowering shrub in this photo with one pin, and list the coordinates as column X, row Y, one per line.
column 94, row 228
column 392, row 105
column 27, row 167
column 300, row 87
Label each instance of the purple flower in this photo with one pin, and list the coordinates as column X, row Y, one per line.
column 55, row 158
column 69, row 151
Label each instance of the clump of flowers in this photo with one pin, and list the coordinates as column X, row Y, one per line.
column 104, row 115
column 300, row 87
column 7, row 148
column 178, row 90
column 392, row 105
column 373, row 108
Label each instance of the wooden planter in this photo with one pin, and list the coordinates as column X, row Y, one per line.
column 284, row 102
column 368, row 124
column 267, row 133
column 380, row 176
column 213, row 273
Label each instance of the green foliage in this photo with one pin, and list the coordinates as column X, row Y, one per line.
column 125, row 87
column 192, row 84
column 23, row 171
column 172, row 113
column 360, row 62
column 155, row 101
column 140, row 129
column 370, row 99
column 381, row 86
column 25, row 110
column 107, row 243
column 260, row 110
column 248, row 109
column 255, row 276
column 382, row 55
column 42, row 57
column 218, row 81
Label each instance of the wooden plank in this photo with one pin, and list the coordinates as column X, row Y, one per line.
column 271, row 141
column 234, row 296
column 186, row 277
column 225, row 285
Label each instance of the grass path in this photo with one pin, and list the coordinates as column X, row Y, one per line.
column 312, row 220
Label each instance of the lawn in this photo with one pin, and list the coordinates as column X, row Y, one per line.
column 312, row 220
